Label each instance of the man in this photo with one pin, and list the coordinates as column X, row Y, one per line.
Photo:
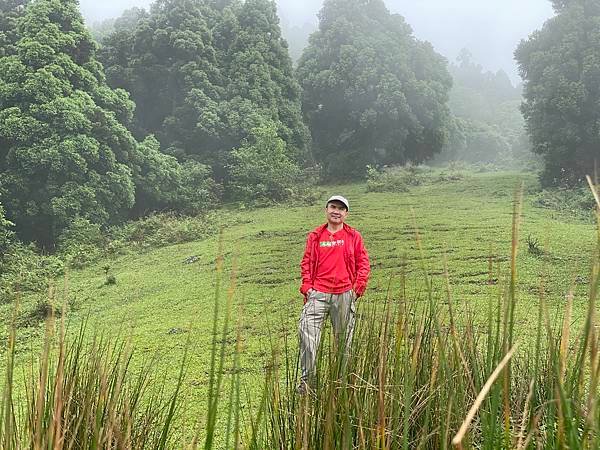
column 335, row 271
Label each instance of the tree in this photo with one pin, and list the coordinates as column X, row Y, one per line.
column 373, row 94
column 10, row 10
column 482, row 143
column 65, row 150
column 478, row 95
column 488, row 124
column 204, row 74
column 163, row 183
column 260, row 169
column 560, row 66
column 166, row 60
column 259, row 77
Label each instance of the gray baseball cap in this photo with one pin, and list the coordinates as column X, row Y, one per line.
column 339, row 198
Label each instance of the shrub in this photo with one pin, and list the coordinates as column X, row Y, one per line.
column 162, row 183
column 396, row 178
column 24, row 268
column 160, row 229
column 383, row 181
column 576, row 201
column 503, row 146
column 260, row 170
column 43, row 309
column 307, row 191
column 533, row 246
column 81, row 243
column 454, row 171
column 111, row 279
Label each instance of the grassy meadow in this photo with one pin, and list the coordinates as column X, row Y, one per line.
column 163, row 300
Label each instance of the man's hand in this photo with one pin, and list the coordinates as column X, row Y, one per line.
column 307, row 295
column 358, row 291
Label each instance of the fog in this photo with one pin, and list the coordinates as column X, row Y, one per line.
column 490, row 29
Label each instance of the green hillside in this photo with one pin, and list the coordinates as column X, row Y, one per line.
column 165, row 296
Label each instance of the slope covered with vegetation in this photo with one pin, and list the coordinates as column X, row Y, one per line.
column 128, row 173
column 162, row 299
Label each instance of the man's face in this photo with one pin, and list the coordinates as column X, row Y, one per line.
column 336, row 212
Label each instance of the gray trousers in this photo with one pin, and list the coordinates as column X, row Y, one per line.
column 342, row 310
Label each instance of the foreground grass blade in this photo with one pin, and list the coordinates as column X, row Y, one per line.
column 458, row 438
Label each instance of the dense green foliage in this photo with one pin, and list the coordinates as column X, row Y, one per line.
column 260, row 81
column 164, row 183
column 395, row 178
column 165, row 59
column 373, row 94
column 65, row 150
column 203, row 75
column 6, row 233
column 570, row 202
column 260, row 170
column 560, row 64
column 10, row 10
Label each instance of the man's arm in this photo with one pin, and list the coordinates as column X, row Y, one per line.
column 363, row 266
column 305, row 267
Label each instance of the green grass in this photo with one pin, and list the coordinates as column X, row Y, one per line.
column 159, row 302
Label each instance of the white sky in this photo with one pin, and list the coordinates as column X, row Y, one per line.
column 490, row 29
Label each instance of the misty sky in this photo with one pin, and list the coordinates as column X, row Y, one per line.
column 490, row 29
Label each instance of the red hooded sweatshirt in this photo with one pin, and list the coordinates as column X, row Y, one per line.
column 356, row 259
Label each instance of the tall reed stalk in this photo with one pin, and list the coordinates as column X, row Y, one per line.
column 84, row 394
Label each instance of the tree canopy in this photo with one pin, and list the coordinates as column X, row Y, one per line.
column 10, row 10
column 373, row 94
column 204, row 74
column 260, row 169
column 259, row 75
column 560, row 64
column 166, row 61
column 65, row 150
